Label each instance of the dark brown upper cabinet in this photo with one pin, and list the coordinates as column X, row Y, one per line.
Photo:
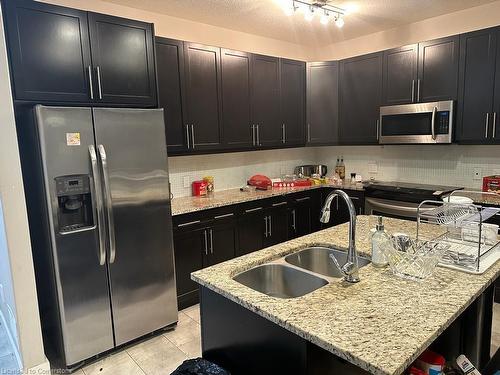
column 203, row 96
column 322, row 103
column 236, row 113
column 293, row 80
column 170, row 68
column 265, row 100
column 496, row 99
column 123, row 58
column 400, row 75
column 476, row 114
column 360, row 99
column 49, row 51
column 438, row 69
column 63, row 55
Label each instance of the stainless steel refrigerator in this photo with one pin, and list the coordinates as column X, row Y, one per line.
column 108, row 206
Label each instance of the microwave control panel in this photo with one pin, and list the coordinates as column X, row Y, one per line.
column 443, row 122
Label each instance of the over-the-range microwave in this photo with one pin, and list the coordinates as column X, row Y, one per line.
column 416, row 123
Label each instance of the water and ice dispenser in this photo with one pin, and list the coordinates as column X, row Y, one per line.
column 74, row 203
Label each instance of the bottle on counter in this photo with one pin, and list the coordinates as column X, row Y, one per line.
column 342, row 168
column 379, row 239
column 337, row 165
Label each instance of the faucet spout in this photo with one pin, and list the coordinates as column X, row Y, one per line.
column 350, row 268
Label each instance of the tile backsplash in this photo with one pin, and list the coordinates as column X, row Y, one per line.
column 232, row 170
column 432, row 164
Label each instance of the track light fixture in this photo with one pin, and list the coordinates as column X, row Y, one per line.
column 312, row 7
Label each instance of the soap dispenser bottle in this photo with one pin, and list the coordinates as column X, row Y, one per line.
column 379, row 239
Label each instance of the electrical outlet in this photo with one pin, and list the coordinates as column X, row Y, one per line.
column 186, row 181
column 373, row 168
column 478, row 174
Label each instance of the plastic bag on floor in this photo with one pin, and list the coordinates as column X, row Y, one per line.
column 199, row 366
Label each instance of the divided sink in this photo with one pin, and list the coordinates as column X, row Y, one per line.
column 278, row 280
column 296, row 274
column 317, row 260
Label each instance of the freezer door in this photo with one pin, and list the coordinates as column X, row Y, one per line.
column 133, row 156
column 67, row 145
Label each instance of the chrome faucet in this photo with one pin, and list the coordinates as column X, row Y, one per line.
column 350, row 268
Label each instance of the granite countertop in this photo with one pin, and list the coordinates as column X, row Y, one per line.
column 481, row 198
column 185, row 205
column 381, row 324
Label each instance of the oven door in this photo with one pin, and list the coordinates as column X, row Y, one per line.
column 416, row 123
column 394, row 209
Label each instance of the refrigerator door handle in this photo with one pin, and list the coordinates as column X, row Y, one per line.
column 97, row 199
column 108, row 204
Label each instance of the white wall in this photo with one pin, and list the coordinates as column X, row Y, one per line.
column 16, row 226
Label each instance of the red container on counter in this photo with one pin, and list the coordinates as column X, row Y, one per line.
column 199, row 188
column 491, row 184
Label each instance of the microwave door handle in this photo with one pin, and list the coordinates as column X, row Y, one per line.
column 433, row 123
column 97, row 198
column 108, row 203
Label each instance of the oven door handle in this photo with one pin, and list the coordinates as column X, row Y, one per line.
column 433, row 123
column 395, row 208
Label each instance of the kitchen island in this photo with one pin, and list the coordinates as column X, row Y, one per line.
column 379, row 325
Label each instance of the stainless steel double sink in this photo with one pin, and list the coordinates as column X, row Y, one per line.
column 296, row 274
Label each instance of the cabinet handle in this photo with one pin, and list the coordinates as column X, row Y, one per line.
column 294, row 222
column 302, row 199
column 211, row 241
column 206, row 242
column 192, row 136
column 494, row 125
column 91, row 82
column 189, row 223
column 308, row 132
column 413, row 91
column 99, row 81
column 283, row 134
column 360, row 211
column 418, row 90
column 353, row 198
column 378, row 129
column 253, row 209
column 223, row 216
column 187, row 135
column 279, row 204
column 487, row 123
column 253, row 135
column 258, row 135
column 265, row 231
column 270, row 226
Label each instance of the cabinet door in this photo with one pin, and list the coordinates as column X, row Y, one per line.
column 265, row 91
column 400, row 75
column 322, row 103
column 49, row 50
column 360, row 98
column 496, row 102
column 476, row 87
column 438, row 69
column 251, row 229
column 188, row 248
column 277, row 226
column 237, row 127
column 300, row 217
column 221, row 243
column 123, row 57
column 170, row 71
column 293, row 77
column 203, row 99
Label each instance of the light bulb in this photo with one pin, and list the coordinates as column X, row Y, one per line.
column 324, row 19
column 339, row 21
column 308, row 14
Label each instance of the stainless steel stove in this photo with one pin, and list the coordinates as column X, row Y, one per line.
column 401, row 199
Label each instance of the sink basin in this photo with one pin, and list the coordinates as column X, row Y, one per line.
column 278, row 280
column 316, row 259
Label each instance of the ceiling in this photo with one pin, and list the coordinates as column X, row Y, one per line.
column 266, row 17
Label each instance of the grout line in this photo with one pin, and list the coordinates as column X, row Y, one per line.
column 133, row 360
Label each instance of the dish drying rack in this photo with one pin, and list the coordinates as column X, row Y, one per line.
column 473, row 247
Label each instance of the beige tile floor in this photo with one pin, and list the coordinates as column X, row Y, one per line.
column 158, row 356
column 163, row 354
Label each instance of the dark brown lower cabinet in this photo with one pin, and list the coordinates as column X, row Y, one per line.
column 251, row 228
